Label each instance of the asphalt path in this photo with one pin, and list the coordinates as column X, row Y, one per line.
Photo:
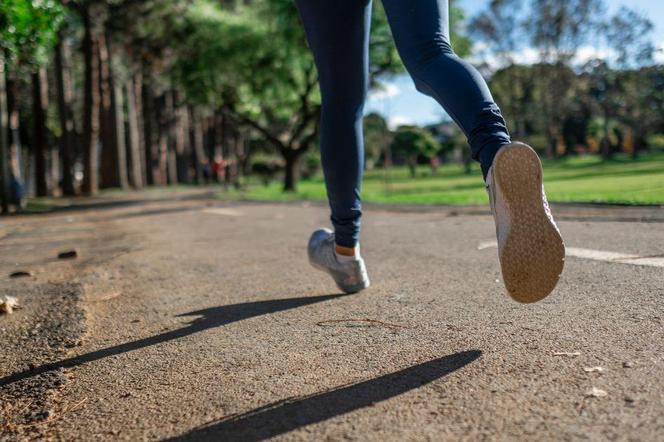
column 202, row 320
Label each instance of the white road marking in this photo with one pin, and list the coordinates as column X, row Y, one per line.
column 222, row 211
column 598, row 255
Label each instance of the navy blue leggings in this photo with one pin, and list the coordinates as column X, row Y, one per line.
column 338, row 34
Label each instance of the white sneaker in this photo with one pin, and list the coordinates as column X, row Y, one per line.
column 530, row 248
column 350, row 276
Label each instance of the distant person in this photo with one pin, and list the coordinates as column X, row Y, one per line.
column 219, row 169
column 530, row 247
column 207, row 172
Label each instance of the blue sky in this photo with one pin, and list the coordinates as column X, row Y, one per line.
column 400, row 103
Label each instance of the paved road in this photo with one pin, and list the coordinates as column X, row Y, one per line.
column 204, row 321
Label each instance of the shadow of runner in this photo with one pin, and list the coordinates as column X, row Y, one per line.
column 210, row 318
column 284, row 416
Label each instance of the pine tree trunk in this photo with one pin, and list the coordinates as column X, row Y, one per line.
column 162, row 142
column 15, row 169
column 169, row 111
column 91, row 108
column 149, row 132
column 138, row 96
column 181, row 144
column 65, row 114
column 39, row 107
column 198, row 154
column 134, row 149
column 4, row 135
column 113, row 166
column 120, row 135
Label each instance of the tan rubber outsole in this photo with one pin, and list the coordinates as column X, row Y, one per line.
column 533, row 255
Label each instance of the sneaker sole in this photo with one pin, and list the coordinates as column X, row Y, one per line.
column 533, row 256
column 347, row 290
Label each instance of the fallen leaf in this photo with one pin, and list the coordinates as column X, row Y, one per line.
column 596, row 392
column 8, row 305
column 572, row 354
column 593, row 369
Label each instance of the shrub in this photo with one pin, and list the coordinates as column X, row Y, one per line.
column 656, row 142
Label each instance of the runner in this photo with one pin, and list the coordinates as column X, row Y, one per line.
column 531, row 250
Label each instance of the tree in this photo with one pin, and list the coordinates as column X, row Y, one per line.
column 412, row 142
column 629, row 35
column 377, row 139
column 65, row 97
column 254, row 63
column 503, row 43
column 557, row 29
column 604, row 95
column 91, row 102
column 28, row 31
column 4, row 152
column 489, row 27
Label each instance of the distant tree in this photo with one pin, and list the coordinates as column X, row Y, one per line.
column 503, row 43
column 629, row 35
column 413, row 142
column 557, row 29
column 513, row 87
column 377, row 138
column 254, row 64
column 489, row 27
column 461, row 43
column 605, row 98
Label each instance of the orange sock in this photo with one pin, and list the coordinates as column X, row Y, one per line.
column 346, row 251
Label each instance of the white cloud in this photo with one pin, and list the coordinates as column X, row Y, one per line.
column 529, row 56
column 659, row 53
column 587, row 53
column 523, row 56
column 384, row 91
column 398, row 120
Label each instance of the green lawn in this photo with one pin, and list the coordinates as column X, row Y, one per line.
column 575, row 179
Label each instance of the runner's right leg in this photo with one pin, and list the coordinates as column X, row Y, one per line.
column 338, row 34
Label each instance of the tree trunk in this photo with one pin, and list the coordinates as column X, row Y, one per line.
column 4, row 151
column 241, row 156
column 149, row 129
column 135, row 150
column 412, row 162
column 15, row 163
column 39, row 107
column 120, row 136
column 169, row 111
column 605, row 144
column 292, row 171
column 550, row 144
column 91, row 108
column 113, row 167
column 138, row 97
column 181, row 145
column 65, row 114
column 161, row 118
column 198, row 151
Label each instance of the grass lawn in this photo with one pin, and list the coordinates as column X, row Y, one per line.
column 574, row 179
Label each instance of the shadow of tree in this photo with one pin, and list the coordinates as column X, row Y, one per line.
column 284, row 416
column 209, row 318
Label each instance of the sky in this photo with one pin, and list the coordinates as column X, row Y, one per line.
column 400, row 103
